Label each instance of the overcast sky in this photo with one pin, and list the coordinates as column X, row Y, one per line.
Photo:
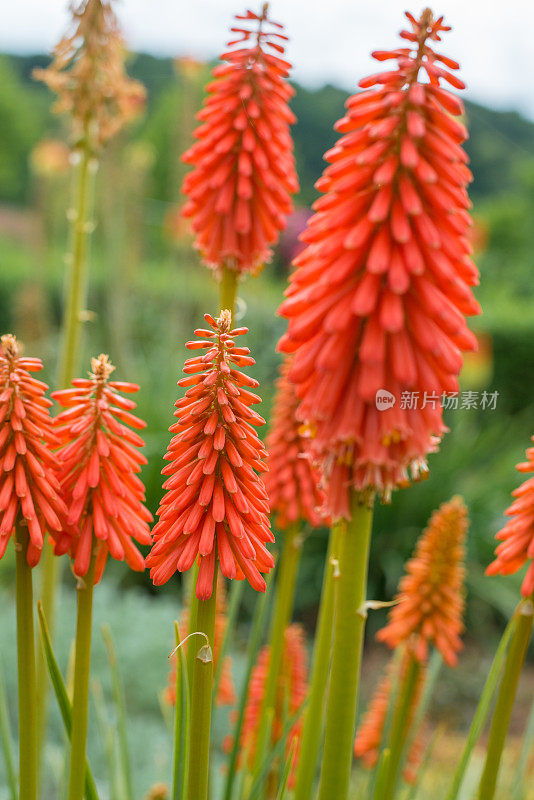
column 330, row 39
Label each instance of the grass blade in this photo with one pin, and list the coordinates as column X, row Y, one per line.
column 258, row 626
column 520, row 780
column 62, row 697
column 7, row 745
column 287, row 770
column 120, row 708
column 482, row 709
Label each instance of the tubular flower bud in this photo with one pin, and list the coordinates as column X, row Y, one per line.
column 430, row 598
column 244, row 171
column 377, row 304
column 291, row 693
column 517, row 536
column 226, row 691
column 370, row 733
column 292, row 481
column 29, row 490
column 88, row 75
column 215, row 504
column 99, row 462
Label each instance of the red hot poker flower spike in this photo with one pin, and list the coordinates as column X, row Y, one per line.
column 431, row 600
column 291, row 693
column 378, row 299
column 215, row 505
column 517, row 536
column 99, row 462
column 29, row 490
column 244, row 171
column 371, row 730
column 292, row 482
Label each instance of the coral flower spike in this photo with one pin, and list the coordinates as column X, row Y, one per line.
column 517, row 536
column 99, row 462
column 376, row 305
column 244, row 170
column 215, row 505
column 431, row 600
column 292, row 482
column 29, row 490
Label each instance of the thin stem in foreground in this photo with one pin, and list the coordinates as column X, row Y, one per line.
column 349, row 626
column 313, row 719
column 401, row 722
column 80, row 699
column 506, row 698
column 201, row 700
column 285, row 595
column 26, row 670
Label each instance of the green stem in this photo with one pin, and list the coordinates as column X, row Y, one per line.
column 349, row 626
column 400, row 725
column 80, row 699
column 313, row 719
column 201, row 700
column 285, row 595
column 191, row 648
column 505, row 699
column 81, row 218
column 228, row 289
column 26, row 670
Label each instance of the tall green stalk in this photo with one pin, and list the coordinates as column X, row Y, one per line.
column 26, row 670
column 400, row 725
column 228, row 289
column 81, row 221
column 349, row 626
column 313, row 719
column 80, row 698
column 285, row 595
column 506, row 698
column 201, row 700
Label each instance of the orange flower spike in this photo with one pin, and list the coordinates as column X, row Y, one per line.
column 431, row 601
column 380, row 293
column 292, row 482
column 292, row 689
column 244, row 170
column 517, row 536
column 99, row 462
column 29, row 490
column 215, row 505
column 371, row 729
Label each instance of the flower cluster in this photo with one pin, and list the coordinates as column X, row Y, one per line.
column 378, row 299
column 370, row 732
column 244, row 172
column 215, row 505
column 29, row 490
column 88, row 75
column 517, row 536
column 292, row 482
column 430, row 598
column 226, row 692
column 99, row 462
column 291, row 693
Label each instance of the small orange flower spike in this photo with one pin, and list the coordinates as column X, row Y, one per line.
column 292, row 482
column 517, row 536
column 430, row 598
column 215, row 505
column 244, row 170
column 99, row 462
column 29, row 490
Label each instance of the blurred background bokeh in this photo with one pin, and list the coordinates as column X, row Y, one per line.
column 148, row 291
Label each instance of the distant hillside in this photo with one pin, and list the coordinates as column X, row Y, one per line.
column 499, row 143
